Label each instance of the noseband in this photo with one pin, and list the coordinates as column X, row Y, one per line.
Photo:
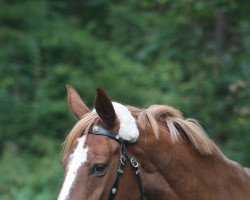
column 124, row 156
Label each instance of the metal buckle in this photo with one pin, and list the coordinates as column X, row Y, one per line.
column 120, row 170
column 134, row 163
column 122, row 159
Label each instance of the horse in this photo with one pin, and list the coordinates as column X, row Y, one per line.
column 127, row 153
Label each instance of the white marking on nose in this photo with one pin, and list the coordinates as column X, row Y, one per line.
column 77, row 159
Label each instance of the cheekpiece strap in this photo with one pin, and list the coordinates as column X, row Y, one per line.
column 98, row 130
column 120, row 170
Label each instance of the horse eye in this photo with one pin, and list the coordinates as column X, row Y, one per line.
column 98, row 169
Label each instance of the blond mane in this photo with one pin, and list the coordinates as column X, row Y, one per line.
column 81, row 127
column 150, row 119
column 177, row 126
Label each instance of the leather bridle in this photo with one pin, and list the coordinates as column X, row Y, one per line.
column 124, row 156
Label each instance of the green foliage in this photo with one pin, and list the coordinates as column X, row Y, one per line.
column 25, row 176
column 190, row 54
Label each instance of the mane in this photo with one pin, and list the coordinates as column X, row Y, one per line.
column 178, row 127
column 80, row 128
column 151, row 119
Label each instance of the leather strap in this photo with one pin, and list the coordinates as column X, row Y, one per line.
column 120, row 168
column 135, row 166
column 98, row 130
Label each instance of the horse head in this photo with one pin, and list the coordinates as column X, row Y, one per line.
column 92, row 152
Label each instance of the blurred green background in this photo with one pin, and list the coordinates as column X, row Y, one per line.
column 191, row 54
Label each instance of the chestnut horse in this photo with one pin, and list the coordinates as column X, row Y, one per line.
column 177, row 160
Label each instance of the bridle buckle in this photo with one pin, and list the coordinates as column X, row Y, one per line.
column 120, row 170
column 134, row 162
column 123, row 159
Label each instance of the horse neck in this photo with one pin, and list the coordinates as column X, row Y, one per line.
column 176, row 171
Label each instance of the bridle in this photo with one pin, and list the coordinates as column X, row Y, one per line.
column 124, row 156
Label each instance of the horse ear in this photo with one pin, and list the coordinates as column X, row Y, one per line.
column 104, row 108
column 75, row 103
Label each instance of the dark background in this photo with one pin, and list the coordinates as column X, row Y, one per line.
column 191, row 54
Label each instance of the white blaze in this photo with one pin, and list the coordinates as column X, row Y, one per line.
column 128, row 128
column 77, row 158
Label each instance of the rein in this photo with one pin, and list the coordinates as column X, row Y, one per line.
column 124, row 156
